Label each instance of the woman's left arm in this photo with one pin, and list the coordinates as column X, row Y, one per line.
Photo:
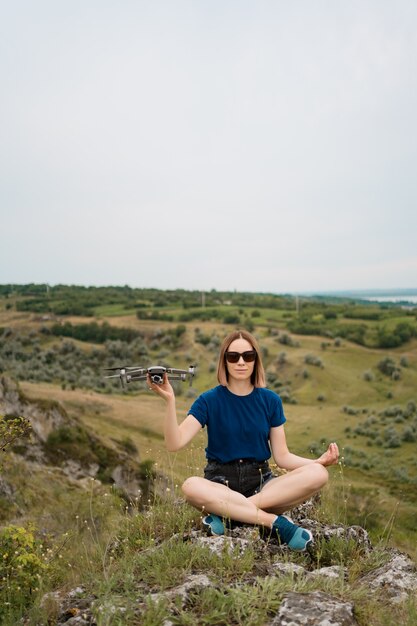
column 289, row 461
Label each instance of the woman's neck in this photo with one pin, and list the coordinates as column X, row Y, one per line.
column 240, row 387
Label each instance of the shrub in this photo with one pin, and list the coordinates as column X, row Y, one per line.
column 282, row 359
column 12, row 428
column 287, row 340
column 350, row 410
column 231, row 318
column 409, row 435
column 402, row 333
column 312, row 359
column 21, row 568
column 387, row 366
column 368, row 376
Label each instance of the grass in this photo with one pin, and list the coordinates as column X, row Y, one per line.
column 125, row 561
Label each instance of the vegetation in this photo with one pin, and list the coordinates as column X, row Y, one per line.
column 11, row 429
column 348, row 373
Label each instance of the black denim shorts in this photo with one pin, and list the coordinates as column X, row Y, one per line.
column 243, row 475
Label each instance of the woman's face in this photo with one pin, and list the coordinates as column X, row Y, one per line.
column 242, row 370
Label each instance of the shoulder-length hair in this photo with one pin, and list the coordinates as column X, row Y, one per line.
column 258, row 374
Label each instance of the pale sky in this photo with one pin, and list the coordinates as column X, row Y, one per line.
column 228, row 144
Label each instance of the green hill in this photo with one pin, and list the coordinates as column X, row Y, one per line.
column 348, row 374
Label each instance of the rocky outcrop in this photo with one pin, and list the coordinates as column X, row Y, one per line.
column 314, row 609
column 64, row 442
column 45, row 417
column 396, row 580
column 397, row 577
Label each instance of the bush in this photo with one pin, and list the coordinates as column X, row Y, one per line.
column 311, row 359
column 287, row 340
column 408, row 435
column 387, row 366
column 368, row 376
column 21, row 568
column 402, row 333
column 12, row 428
column 231, row 318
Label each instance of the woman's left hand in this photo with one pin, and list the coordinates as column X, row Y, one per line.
column 330, row 457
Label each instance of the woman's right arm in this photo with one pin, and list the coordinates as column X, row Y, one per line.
column 176, row 435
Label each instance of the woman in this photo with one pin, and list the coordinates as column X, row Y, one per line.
column 245, row 421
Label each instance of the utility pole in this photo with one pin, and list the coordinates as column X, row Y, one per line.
column 203, row 299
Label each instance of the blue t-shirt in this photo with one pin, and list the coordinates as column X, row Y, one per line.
column 238, row 426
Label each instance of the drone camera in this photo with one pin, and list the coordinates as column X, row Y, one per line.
column 157, row 379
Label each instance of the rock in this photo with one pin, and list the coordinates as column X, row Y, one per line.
column 285, row 568
column 333, row 571
column 44, row 416
column 314, row 609
column 327, row 531
column 72, row 608
column 73, row 469
column 218, row 545
column 6, row 490
column 193, row 583
column 127, row 481
column 397, row 577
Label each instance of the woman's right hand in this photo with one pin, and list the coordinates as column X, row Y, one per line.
column 164, row 389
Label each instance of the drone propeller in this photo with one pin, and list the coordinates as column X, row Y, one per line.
column 122, row 367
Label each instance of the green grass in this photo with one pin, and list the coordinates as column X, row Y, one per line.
column 126, row 561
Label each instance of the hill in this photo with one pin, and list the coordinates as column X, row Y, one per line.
column 326, row 359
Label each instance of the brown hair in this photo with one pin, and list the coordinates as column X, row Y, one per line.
column 258, row 374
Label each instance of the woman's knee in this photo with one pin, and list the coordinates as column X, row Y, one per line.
column 318, row 475
column 192, row 487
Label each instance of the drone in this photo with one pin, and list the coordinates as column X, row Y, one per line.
column 156, row 373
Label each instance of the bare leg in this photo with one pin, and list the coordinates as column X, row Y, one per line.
column 284, row 492
column 276, row 497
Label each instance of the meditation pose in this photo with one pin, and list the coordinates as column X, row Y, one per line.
column 245, row 423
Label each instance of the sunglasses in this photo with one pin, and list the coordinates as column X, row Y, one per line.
column 233, row 357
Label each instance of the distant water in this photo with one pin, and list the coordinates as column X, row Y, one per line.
column 384, row 295
column 393, row 298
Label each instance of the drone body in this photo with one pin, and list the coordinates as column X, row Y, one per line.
column 156, row 373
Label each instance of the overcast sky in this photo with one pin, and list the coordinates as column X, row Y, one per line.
column 229, row 144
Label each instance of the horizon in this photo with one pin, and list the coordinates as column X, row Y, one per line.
column 393, row 291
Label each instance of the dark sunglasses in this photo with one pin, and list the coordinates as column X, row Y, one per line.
column 233, row 357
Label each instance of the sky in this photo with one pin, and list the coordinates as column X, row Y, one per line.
column 263, row 145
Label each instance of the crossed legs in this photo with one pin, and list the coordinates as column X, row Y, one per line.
column 277, row 496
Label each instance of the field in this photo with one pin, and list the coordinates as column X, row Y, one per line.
column 334, row 389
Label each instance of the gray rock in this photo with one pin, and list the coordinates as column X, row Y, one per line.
column 6, row 490
column 218, row 545
column 397, row 577
column 194, row 582
column 314, row 609
column 280, row 568
column 333, row 571
column 327, row 531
